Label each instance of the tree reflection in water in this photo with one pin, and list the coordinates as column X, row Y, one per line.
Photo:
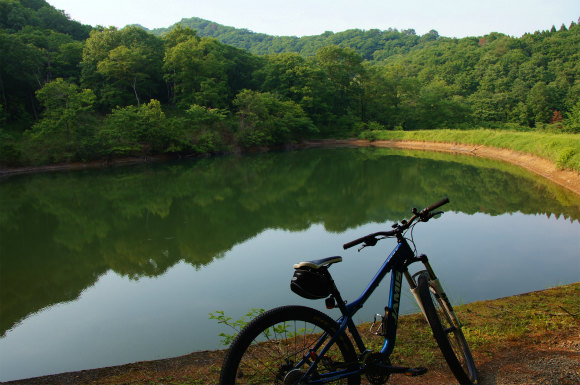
column 62, row 231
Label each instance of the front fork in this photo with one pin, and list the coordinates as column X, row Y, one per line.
column 433, row 283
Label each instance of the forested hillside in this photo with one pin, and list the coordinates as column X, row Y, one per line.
column 373, row 44
column 69, row 92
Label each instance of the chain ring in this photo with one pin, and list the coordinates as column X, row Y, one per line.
column 375, row 370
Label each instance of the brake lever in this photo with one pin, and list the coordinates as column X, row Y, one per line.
column 371, row 241
column 431, row 215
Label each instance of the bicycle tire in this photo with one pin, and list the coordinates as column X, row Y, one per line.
column 447, row 332
column 269, row 347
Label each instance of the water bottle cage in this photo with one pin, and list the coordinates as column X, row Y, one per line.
column 377, row 328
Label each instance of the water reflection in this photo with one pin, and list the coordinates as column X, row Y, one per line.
column 61, row 232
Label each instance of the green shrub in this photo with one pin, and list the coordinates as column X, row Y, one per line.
column 375, row 126
column 9, row 151
column 565, row 156
column 209, row 142
column 369, row 135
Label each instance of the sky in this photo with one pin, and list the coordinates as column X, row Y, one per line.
column 451, row 18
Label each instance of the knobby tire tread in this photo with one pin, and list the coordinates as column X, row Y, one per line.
column 442, row 337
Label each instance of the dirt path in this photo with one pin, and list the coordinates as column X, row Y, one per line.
column 552, row 359
column 565, row 178
column 548, row 359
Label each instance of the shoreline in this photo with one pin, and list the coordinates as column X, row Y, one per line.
column 75, row 166
column 515, row 360
column 141, row 372
column 547, row 169
column 566, row 178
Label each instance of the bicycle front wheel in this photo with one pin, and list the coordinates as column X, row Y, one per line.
column 447, row 331
column 280, row 345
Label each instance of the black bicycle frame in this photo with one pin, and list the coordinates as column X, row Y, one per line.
column 397, row 262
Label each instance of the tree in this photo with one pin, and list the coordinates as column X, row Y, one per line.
column 292, row 77
column 438, row 108
column 66, row 61
column 573, row 119
column 17, row 14
column 123, row 66
column 432, row 35
column 343, row 67
column 177, row 35
column 286, row 75
column 383, row 94
column 539, row 104
column 134, row 130
column 489, row 107
column 60, row 53
column 21, row 74
column 202, row 71
column 266, row 120
column 58, row 135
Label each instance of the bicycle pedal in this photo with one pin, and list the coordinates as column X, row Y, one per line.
column 412, row 372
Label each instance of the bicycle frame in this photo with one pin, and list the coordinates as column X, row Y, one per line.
column 397, row 262
column 312, row 280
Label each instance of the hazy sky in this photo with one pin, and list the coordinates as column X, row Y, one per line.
column 452, row 18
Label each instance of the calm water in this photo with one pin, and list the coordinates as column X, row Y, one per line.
column 101, row 268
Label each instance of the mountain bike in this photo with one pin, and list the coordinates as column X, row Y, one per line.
column 301, row 345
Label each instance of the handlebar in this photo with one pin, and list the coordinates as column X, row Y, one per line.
column 436, row 205
column 423, row 215
column 369, row 240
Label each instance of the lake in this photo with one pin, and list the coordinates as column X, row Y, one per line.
column 105, row 267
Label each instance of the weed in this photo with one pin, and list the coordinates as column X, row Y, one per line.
column 371, row 136
column 564, row 157
column 236, row 325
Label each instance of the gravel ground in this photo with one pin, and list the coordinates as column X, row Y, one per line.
column 558, row 363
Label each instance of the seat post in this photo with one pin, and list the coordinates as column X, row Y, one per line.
column 335, row 293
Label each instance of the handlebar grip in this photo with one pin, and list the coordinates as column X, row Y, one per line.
column 436, row 205
column 369, row 239
column 350, row 244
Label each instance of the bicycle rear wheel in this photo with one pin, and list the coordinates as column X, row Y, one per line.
column 272, row 348
column 447, row 332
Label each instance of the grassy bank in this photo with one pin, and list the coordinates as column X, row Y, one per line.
column 499, row 333
column 491, row 326
column 562, row 149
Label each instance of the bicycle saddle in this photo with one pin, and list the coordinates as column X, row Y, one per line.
column 317, row 264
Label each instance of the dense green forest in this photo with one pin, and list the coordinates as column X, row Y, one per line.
column 370, row 45
column 70, row 92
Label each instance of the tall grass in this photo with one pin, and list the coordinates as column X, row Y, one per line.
column 562, row 149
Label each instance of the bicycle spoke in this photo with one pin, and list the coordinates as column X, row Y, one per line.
column 278, row 350
column 292, row 338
